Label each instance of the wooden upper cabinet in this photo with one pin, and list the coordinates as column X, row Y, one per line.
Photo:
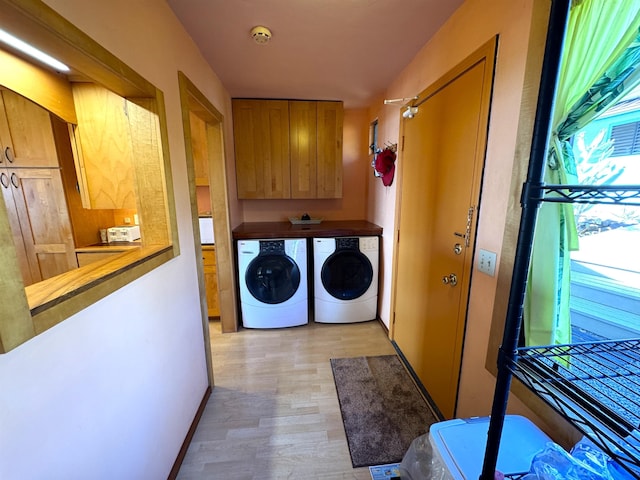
column 25, row 133
column 199, row 147
column 261, row 138
column 288, row 148
column 103, row 148
column 329, row 162
column 303, row 121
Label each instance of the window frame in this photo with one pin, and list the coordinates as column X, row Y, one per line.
column 558, row 409
column 29, row 311
column 564, row 432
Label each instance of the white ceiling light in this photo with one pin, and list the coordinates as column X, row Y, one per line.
column 261, row 35
column 33, row 52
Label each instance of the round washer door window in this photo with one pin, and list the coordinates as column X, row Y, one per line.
column 272, row 279
column 347, row 274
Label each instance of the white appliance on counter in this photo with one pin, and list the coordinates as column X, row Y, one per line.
column 123, row 233
column 206, row 231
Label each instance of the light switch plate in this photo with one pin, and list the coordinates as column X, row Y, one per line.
column 487, row 262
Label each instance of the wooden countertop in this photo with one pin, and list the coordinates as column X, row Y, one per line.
column 335, row 228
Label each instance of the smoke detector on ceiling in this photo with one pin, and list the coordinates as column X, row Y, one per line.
column 261, row 35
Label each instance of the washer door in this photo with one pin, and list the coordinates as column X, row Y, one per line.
column 347, row 273
column 272, row 277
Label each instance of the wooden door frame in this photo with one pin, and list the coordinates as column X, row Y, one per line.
column 487, row 52
column 192, row 100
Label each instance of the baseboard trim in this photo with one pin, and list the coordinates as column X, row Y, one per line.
column 434, row 409
column 187, row 440
column 383, row 325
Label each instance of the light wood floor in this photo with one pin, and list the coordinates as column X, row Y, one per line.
column 274, row 413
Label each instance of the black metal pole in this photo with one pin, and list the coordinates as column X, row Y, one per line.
column 532, row 195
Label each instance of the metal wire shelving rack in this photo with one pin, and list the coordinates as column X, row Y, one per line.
column 595, row 385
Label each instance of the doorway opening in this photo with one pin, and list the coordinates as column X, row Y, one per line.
column 210, row 147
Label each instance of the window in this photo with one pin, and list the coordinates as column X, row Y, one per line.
column 31, row 309
column 605, row 274
column 373, row 137
column 593, row 385
column 626, row 139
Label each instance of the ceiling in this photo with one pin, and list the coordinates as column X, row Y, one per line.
column 347, row 50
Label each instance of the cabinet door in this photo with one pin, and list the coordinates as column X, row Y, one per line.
column 41, row 211
column 16, row 233
column 211, row 281
column 199, row 148
column 104, row 150
column 303, row 119
column 25, row 133
column 261, row 135
column 329, row 164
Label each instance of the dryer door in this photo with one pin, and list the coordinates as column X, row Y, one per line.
column 272, row 277
column 347, row 273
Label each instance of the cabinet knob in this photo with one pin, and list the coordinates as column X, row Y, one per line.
column 4, row 180
column 15, row 181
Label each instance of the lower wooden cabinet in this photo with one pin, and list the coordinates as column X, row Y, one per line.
column 211, row 280
column 40, row 225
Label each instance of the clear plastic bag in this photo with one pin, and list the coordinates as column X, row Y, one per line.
column 420, row 462
column 588, row 452
column 584, row 463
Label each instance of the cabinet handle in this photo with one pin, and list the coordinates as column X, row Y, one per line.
column 8, row 154
column 15, row 181
column 4, row 179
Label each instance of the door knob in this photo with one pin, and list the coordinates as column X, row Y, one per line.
column 457, row 249
column 451, row 279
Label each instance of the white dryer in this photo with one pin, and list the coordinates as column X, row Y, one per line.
column 345, row 279
column 273, row 282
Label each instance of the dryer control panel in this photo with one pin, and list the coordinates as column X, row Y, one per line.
column 368, row 244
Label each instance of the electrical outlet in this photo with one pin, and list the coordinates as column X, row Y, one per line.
column 487, row 262
column 127, row 220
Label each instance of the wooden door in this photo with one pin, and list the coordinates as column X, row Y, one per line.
column 442, row 161
column 261, row 135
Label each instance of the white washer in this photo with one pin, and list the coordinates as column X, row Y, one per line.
column 273, row 282
column 345, row 279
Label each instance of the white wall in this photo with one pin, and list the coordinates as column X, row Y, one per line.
column 110, row 393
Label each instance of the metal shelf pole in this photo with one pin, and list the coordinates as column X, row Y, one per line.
column 530, row 200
